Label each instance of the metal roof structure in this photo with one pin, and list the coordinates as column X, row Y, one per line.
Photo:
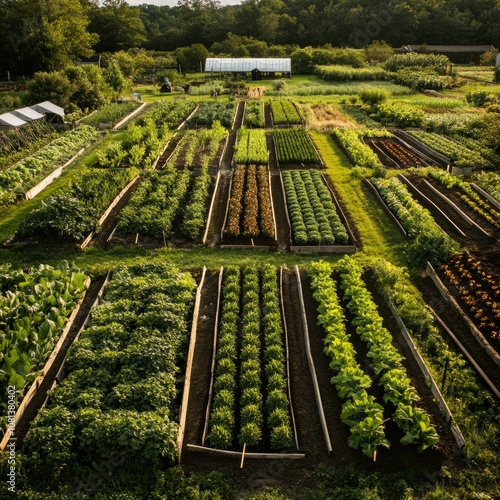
column 27, row 114
column 10, row 120
column 48, row 107
column 247, row 64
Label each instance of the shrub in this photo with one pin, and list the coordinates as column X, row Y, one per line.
column 373, row 97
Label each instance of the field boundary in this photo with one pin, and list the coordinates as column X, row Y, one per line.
column 189, row 366
column 130, row 116
column 239, row 454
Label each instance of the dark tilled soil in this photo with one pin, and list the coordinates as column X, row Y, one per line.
column 40, row 398
column 310, row 435
column 459, row 327
column 268, row 120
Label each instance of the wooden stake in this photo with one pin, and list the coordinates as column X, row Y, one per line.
column 375, row 456
column 136, row 238
column 243, row 455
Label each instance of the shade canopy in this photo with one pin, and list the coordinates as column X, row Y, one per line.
column 27, row 114
column 47, row 107
column 11, row 120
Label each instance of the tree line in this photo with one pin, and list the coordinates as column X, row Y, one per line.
column 46, row 35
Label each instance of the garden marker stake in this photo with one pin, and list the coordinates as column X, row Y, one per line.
column 243, row 455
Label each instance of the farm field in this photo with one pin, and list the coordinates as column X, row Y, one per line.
column 259, row 285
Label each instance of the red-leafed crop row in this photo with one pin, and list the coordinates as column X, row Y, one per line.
column 479, row 292
column 404, row 157
column 250, row 210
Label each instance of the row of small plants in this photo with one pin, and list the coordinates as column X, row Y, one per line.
column 73, row 211
column 139, row 148
column 490, row 182
column 169, row 113
column 254, row 114
column 312, row 212
column 339, row 73
column 162, row 198
column 478, row 289
column 475, row 145
column 261, row 380
column 459, row 154
column 285, row 113
column 294, row 146
column 250, row 209
column 251, row 147
column 398, row 152
column 361, row 154
column 208, row 112
column 467, row 194
column 25, row 174
column 111, row 113
column 386, row 360
column 120, row 391
column 35, row 305
column 16, row 144
column 201, row 143
column 360, row 411
column 427, row 241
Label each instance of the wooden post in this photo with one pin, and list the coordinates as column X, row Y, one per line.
column 243, row 455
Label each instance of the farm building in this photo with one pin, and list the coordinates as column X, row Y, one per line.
column 459, row 54
column 258, row 68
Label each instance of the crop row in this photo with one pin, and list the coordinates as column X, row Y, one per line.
column 139, row 148
column 111, row 113
column 360, row 153
column 169, row 113
column 285, row 113
column 404, row 157
column 120, row 390
column 468, row 195
column 360, row 411
column 208, row 112
column 294, row 146
column 428, row 242
column 251, row 147
column 344, row 73
column 461, row 155
column 155, row 204
column 250, row 208
column 313, row 214
column 24, row 175
column 34, row 308
column 254, row 114
column 479, row 291
column 385, row 359
column 73, row 211
column 490, row 182
column 262, row 386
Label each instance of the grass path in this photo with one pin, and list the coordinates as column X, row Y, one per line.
column 379, row 237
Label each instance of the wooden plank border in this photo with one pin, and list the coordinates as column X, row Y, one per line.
column 310, row 361
column 189, row 367
column 130, row 116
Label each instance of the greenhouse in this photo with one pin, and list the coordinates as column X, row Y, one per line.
column 257, row 67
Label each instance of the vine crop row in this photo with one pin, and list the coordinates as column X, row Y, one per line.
column 294, row 146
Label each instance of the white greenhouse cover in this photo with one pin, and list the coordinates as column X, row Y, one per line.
column 48, row 107
column 10, row 120
column 246, row 64
column 27, row 114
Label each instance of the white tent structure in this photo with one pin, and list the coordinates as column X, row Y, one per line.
column 255, row 65
column 27, row 114
column 10, row 120
column 53, row 112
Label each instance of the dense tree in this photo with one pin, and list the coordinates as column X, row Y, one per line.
column 118, row 25
column 43, row 34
